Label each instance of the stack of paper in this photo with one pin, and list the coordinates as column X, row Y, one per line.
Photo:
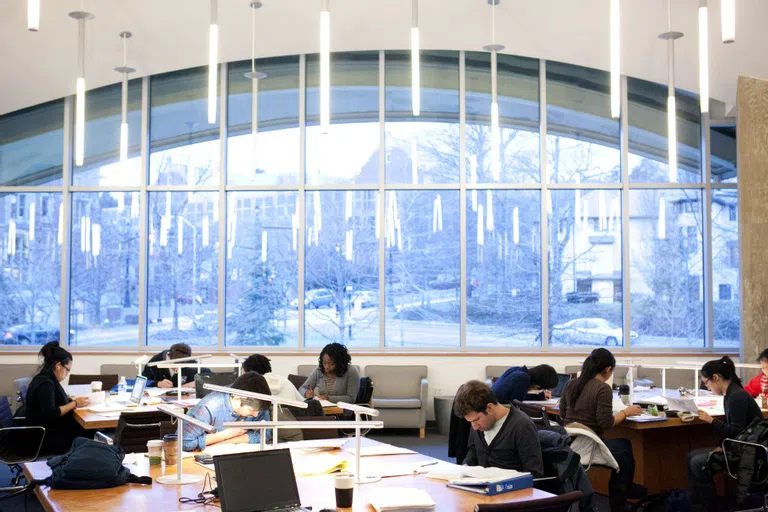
column 393, row 499
column 321, row 464
column 381, row 449
column 229, row 448
column 469, row 475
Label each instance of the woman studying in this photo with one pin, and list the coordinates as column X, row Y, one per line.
column 333, row 379
column 48, row 404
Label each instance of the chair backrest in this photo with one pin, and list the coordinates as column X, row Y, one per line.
column 6, row 415
column 305, row 370
column 297, row 380
column 107, row 381
column 536, row 412
column 493, row 372
column 319, row 433
column 121, row 370
column 11, row 372
column 219, row 379
column 394, row 381
column 20, row 444
column 573, row 369
column 22, row 385
column 560, row 503
column 134, row 429
column 365, row 393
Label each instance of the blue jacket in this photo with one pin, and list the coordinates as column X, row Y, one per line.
column 513, row 385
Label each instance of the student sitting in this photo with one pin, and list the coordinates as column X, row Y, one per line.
column 517, row 382
column 166, row 377
column 278, row 385
column 740, row 410
column 759, row 384
column 334, row 379
column 48, row 404
column 501, row 437
column 219, row 408
column 588, row 400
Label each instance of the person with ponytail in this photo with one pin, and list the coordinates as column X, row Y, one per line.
column 719, row 376
column 48, row 404
column 588, row 400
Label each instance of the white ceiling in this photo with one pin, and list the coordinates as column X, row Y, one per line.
column 172, row 34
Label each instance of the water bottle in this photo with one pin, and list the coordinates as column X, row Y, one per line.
column 121, row 386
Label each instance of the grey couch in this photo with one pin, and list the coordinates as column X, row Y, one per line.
column 400, row 395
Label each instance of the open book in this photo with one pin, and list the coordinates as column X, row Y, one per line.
column 392, row 499
column 473, row 475
column 683, row 405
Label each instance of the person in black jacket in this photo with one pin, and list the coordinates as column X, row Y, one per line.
column 166, row 377
column 48, row 404
column 740, row 409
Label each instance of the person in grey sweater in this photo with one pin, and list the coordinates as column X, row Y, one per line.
column 500, row 437
column 333, row 379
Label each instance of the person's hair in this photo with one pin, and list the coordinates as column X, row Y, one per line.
column 340, row 356
column 257, row 363
column 544, row 376
column 52, row 353
column 179, row 350
column 473, row 396
column 255, row 383
column 724, row 367
column 763, row 356
column 593, row 365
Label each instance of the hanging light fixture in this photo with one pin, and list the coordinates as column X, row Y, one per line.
column 670, row 38
column 615, row 58
column 495, row 132
column 728, row 20
column 213, row 60
column 33, row 15
column 704, row 56
column 124, row 70
column 415, row 61
column 254, row 76
column 325, row 66
column 81, row 17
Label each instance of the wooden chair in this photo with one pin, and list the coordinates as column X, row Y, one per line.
column 134, row 429
column 560, row 503
column 107, row 381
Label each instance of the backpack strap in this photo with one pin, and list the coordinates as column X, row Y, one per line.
column 143, row 480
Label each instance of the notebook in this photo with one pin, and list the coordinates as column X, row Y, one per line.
column 393, row 499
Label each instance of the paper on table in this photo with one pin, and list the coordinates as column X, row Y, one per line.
column 229, row 448
column 473, row 474
column 390, row 499
column 683, row 405
column 105, row 407
column 315, row 444
column 96, row 398
column 153, row 392
column 646, row 418
column 655, row 400
column 327, row 403
column 617, row 405
column 322, row 464
column 381, row 449
column 77, row 389
column 551, row 401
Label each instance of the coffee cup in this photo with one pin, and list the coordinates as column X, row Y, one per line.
column 344, row 484
column 170, row 445
column 96, row 386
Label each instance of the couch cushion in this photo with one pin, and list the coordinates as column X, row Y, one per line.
column 395, row 381
column 396, row 403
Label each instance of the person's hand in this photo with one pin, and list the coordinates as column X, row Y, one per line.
column 633, row 410
column 309, row 393
column 82, row 401
column 322, row 397
column 165, row 384
column 706, row 418
column 547, row 394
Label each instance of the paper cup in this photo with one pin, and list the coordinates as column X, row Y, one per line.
column 96, row 386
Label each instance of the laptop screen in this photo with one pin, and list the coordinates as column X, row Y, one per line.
column 562, row 380
column 138, row 389
column 256, row 481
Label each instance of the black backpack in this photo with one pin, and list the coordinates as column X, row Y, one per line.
column 89, row 465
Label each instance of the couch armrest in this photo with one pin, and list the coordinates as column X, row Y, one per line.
column 423, row 396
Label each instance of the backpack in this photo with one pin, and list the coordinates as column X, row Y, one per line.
column 89, row 465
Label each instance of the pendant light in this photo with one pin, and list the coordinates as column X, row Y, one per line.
column 670, row 37
column 81, row 17
column 124, row 70
column 254, row 76
column 615, row 15
column 415, row 61
column 325, row 66
column 704, row 56
column 213, row 60
column 495, row 132
column 728, row 20
column 33, row 15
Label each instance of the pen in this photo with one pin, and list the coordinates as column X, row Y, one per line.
column 428, row 464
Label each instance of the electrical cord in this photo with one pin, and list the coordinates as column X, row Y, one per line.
column 209, row 497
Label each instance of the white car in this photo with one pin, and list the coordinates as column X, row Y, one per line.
column 313, row 299
column 591, row 331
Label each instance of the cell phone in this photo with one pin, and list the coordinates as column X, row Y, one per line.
column 204, row 459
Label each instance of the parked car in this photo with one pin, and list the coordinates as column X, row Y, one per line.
column 582, row 297
column 592, row 331
column 313, row 299
column 27, row 334
column 365, row 299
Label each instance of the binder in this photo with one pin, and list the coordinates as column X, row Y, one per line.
column 498, row 487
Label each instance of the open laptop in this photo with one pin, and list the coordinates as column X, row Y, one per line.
column 136, row 394
column 562, row 380
column 257, row 482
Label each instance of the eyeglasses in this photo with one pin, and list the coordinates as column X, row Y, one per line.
column 69, row 369
column 706, row 381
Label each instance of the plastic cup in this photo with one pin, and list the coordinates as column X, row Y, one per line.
column 170, row 444
column 344, row 485
column 155, row 451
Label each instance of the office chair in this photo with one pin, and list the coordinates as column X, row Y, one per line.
column 107, row 381
column 536, row 412
column 19, row 445
column 364, row 396
column 562, row 503
column 134, row 429
column 219, row 379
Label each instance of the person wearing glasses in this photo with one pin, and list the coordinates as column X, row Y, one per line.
column 741, row 409
column 47, row 404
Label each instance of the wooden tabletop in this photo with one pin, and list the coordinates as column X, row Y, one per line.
column 315, row 491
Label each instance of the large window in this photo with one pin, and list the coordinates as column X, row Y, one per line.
column 391, row 231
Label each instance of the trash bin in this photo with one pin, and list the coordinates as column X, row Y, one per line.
column 443, row 413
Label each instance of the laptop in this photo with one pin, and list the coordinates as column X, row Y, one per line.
column 136, row 394
column 257, row 482
column 562, row 380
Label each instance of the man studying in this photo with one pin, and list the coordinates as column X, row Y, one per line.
column 166, row 377
column 219, row 408
column 501, row 437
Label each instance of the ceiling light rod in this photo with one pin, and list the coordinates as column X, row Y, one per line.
column 81, row 17
column 495, row 130
column 254, row 76
column 704, row 56
column 124, row 70
column 615, row 21
column 415, row 60
column 325, row 66
column 728, row 20
column 670, row 36
column 213, row 60
column 33, row 15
